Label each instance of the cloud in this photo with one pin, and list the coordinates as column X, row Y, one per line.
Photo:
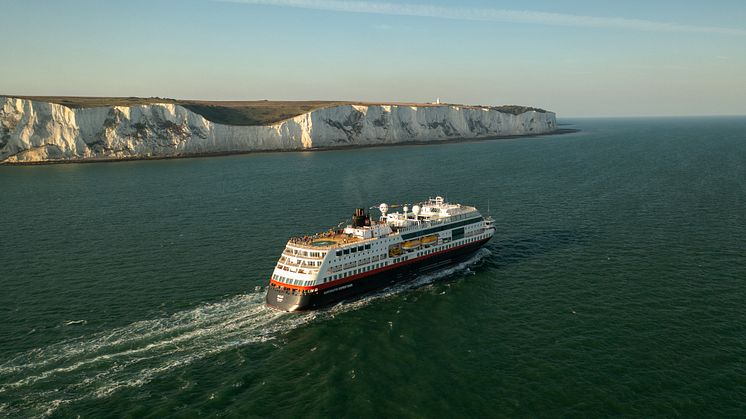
column 491, row 15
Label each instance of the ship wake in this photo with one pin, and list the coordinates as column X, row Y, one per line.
column 38, row 382
column 41, row 380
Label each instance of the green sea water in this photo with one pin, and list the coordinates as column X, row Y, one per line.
column 615, row 285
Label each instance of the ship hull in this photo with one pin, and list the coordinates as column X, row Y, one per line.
column 285, row 300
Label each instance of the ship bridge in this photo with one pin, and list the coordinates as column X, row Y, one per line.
column 434, row 210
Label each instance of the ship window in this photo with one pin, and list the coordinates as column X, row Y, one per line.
column 346, row 251
column 360, row 248
column 339, row 253
column 353, row 250
column 367, row 246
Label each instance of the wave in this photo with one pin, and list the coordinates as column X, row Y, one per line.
column 420, row 281
column 91, row 367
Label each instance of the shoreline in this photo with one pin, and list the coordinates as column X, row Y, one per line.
column 560, row 131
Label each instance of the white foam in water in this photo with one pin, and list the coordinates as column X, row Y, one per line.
column 98, row 365
column 418, row 282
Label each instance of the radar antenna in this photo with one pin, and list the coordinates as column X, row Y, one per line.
column 383, row 208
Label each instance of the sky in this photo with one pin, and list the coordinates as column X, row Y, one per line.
column 574, row 57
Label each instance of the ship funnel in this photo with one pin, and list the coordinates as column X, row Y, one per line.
column 360, row 219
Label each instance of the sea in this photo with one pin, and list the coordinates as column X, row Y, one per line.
column 614, row 286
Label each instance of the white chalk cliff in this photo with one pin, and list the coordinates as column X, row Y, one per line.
column 33, row 131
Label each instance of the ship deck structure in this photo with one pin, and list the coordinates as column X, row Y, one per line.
column 324, row 268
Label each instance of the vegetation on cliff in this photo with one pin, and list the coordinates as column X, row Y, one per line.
column 247, row 113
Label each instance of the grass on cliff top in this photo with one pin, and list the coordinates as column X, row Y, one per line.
column 255, row 112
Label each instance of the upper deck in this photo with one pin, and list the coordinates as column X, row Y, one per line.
column 423, row 215
column 324, row 241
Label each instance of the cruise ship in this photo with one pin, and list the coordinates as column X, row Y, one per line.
column 325, row 268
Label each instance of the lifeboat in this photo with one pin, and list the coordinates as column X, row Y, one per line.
column 411, row 245
column 428, row 240
column 395, row 251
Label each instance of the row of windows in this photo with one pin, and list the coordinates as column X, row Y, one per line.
column 300, row 262
column 356, row 271
column 299, row 282
column 427, row 252
column 441, row 228
column 438, row 249
column 294, row 291
column 397, row 260
column 439, row 221
column 306, row 253
column 352, row 250
column 352, row 264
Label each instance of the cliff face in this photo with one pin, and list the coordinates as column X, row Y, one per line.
column 32, row 131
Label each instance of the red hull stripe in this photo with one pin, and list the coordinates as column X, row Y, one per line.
column 375, row 271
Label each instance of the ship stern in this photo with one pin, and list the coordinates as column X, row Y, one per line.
column 285, row 300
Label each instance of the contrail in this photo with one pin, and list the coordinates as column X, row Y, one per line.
column 491, row 15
